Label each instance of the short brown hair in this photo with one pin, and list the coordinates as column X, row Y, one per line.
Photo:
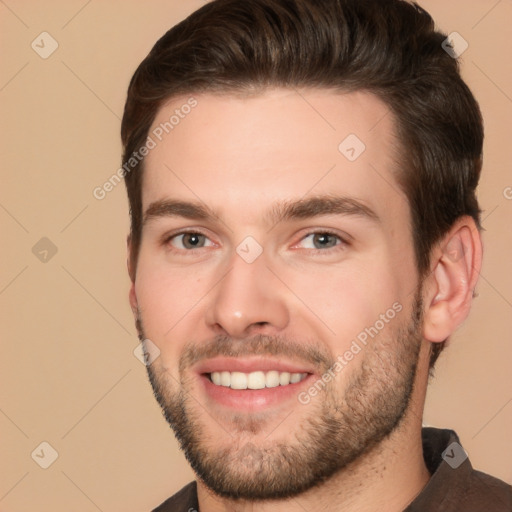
column 387, row 47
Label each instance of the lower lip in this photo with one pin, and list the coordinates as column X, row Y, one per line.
column 253, row 399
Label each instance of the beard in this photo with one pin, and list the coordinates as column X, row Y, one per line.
column 343, row 425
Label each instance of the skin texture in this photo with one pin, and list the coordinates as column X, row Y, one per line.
column 356, row 445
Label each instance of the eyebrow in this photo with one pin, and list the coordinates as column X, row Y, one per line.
column 282, row 211
column 320, row 205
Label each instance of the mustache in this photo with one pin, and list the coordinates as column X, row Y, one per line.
column 309, row 351
column 259, row 345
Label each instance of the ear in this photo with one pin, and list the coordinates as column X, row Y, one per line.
column 131, row 272
column 456, row 263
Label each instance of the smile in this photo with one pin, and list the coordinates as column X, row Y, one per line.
column 255, row 380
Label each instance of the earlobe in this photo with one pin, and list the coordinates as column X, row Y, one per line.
column 457, row 262
column 133, row 300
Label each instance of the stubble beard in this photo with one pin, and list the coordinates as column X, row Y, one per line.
column 340, row 429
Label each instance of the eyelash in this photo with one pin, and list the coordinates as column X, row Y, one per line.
column 167, row 239
column 343, row 243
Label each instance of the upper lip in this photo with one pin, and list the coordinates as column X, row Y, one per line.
column 252, row 364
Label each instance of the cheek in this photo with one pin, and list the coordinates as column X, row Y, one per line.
column 166, row 299
column 343, row 301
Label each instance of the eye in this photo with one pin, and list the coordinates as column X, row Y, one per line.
column 189, row 240
column 320, row 240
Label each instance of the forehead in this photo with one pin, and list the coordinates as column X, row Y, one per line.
column 282, row 144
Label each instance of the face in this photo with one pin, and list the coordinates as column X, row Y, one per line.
column 276, row 276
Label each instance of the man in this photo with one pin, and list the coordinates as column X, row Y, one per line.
column 304, row 240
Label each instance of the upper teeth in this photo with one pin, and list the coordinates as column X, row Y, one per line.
column 255, row 380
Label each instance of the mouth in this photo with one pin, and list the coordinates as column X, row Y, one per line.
column 252, row 384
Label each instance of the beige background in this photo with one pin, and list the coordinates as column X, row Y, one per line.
column 68, row 375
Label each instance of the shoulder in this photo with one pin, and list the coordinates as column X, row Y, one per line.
column 454, row 485
column 184, row 500
column 487, row 493
column 478, row 492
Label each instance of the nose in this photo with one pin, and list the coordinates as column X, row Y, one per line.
column 248, row 300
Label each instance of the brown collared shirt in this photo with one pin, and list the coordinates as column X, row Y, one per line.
column 453, row 487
